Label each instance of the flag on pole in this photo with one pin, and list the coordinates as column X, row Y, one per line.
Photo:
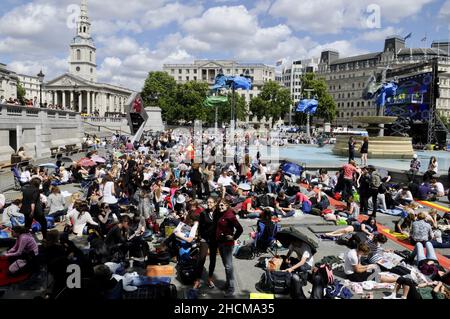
column 280, row 62
column 424, row 39
column 408, row 36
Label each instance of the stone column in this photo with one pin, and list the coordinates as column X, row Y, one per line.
column 63, row 99
column 19, row 135
column 55, row 97
column 88, row 102
column 80, row 102
column 72, row 101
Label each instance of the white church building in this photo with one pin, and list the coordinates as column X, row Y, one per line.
column 78, row 89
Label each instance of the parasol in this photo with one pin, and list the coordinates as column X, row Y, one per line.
column 86, row 162
column 292, row 234
column 98, row 159
column 49, row 165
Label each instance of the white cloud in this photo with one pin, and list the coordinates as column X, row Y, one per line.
column 171, row 12
column 444, row 12
column 333, row 16
column 51, row 67
column 380, row 34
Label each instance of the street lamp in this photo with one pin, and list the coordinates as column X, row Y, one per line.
column 41, row 81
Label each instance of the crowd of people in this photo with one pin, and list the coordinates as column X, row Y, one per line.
column 155, row 191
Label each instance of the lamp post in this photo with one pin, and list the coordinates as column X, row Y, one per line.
column 41, row 81
column 308, row 126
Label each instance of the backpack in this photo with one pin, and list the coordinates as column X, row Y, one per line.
column 187, row 272
column 245, row 252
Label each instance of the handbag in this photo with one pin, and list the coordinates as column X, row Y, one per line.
column 277, row 282
column 274, row 264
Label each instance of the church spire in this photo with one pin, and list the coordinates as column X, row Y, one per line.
column 83, row 24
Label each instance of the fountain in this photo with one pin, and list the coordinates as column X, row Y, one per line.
column 380, row 146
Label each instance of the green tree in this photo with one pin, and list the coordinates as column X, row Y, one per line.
column 189, row 100
column 274, row 101
column 327, row 106
column 160, row 90
column 224, row 112
column 21, row 93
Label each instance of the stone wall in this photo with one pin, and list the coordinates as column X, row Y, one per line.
column 37, row 130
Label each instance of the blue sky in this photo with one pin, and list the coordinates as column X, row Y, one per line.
column 134, row 37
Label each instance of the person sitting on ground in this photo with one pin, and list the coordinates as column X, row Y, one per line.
column 11, row 215
column 118, row 236
column 318, row 198
column 282, row 206
column 425, row 192
column 404, row 197
column 78, row 218
column 276, row 183
column 22, row 256
column 226, row 182
column 56, row 203
column 421, row 231
column 357, row 272
column 437, row 188
column 248, row 210
column 23, row 155
column 376, row 249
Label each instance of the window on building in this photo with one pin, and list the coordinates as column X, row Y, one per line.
column 90, row 56
column 172, row 71
column 187, row 78
column 195, row 71
column 195, row 78
column 78, row 54
column 84, row 29
column 188, row 71
column 180, row 71
column 180, row 78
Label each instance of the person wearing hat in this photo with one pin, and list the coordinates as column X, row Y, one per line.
column 414, row 168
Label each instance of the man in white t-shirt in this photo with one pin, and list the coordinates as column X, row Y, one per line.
column 226, row 182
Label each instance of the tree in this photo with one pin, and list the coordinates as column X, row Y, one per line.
column 21, row 93
column 189, row 100
column 274, row 101
column 160, row 90
column 327, row 106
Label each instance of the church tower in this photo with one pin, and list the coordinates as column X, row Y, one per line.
column 82, row 49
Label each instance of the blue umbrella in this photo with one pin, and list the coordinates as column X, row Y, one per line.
column 292, row 169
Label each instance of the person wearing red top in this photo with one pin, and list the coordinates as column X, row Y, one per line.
column 247, row 210
column 348, row 171
column 228, row 230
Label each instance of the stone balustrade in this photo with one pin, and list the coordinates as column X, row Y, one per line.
column 37, row 130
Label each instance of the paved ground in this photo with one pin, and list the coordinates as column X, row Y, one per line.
column 246, row 272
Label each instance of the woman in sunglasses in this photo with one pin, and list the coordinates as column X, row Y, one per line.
column 208, row 242
column 228, row 230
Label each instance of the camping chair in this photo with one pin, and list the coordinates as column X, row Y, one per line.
column 263, row 246
column 16, row 173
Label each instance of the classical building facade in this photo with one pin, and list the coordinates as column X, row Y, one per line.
column 347, row 77
column 207, row 70
column 78, row 90
column 8, row 83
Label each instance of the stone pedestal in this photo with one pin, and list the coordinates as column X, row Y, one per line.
column 154, row 121
column 379, row 147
